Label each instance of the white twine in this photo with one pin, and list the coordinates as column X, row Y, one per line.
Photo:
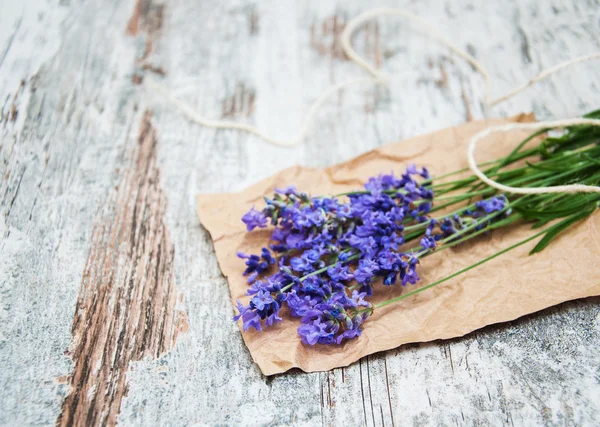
column 571, row 188
column 194, row 116
column 545, row 73
column 353, row 24
column 380, row 78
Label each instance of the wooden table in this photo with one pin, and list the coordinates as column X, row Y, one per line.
column 112, row 306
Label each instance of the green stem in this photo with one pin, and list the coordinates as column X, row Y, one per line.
column 319, row 271
column 464, row 270
column 499, row 224
column 472, row 226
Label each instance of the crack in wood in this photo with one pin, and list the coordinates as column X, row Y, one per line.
column 362, row 390
column 370, row 391
column 387, row 389
column 442, row 82
column 253, row 22
column 325, row 37
column 525, row 47
column 240, row 103
column 154, row 69
column 14, row 195
column 13, row 111
column 147, row 16
column 11, row 40
column 127, row 304
column 147, row 19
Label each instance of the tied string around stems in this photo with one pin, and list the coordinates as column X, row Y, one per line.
column 377, row 77
column 571, row 188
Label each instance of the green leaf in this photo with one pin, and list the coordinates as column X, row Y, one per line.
column 512, row 155
column 541, row 223
column 593, row 114
column 561, row 226
column 543, row 149
column 591, row 159
column 572, row 205
column 559, row 168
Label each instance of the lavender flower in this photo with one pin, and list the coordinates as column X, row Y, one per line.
column 327, row 247
column 350, row 242
column 300, row 305
column 429, row 240
column 334, row 321
column 254, row 218
column 487, row 207
column 364, row 274
column 262, row 307
column 340, row 273
column 493, row 204
column 450, row 225
column 290, row 189
column 255, row 264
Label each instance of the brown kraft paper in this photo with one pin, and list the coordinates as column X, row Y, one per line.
column 501, row 290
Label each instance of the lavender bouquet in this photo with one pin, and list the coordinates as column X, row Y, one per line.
column 326, row 253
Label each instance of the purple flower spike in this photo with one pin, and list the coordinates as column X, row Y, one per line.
column 336, row 320
column 255, row 264
column 254, row 218
column 493, row 204
column 263, row 306
column 339, row 273
column 300, row 306
column 329, row 245
column 428, row 242
column 290, row 189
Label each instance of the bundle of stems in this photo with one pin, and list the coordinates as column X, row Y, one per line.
column 572, row 158
column 332, row 249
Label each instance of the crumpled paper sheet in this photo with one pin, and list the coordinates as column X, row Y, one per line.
column 501, row 290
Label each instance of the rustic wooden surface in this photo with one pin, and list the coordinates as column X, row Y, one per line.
column 112, row 306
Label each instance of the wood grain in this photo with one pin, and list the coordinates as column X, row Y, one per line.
column 76, row 122
column 126, row 309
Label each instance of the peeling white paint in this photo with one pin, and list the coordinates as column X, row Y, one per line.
column 58, row 162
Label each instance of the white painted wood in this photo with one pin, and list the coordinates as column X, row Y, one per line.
column 78, row 112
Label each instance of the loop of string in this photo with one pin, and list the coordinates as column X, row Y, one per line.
column 196, row 117
column 571, row 188
column 352, row 26
column 380, row 78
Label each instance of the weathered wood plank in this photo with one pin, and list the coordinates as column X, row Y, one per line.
column 66, row 141
column 126, row 308
column 58, row 166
